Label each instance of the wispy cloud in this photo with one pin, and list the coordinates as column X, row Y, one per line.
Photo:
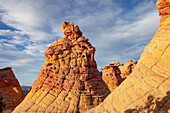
column 118, row 30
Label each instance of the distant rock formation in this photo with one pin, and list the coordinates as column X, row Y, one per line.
column 127, row 68
column 26, row 89
column 69, row 80
column 10, row 89
column 147, row 88
column 111, row 75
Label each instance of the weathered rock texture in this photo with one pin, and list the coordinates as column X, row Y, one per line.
column 127, row 68
column 111, row 75
column 10, row 89
column 2, row 105
column 69, row 80
column 147, row 89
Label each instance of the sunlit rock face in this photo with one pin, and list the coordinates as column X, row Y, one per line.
column 69, row 80
column 127, row 68
column 10, row 89
column 164, row 11
column 147, row 88
column 111, row 75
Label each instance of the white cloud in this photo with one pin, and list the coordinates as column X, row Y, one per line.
column 3, row 40
column 9, row 46
column 36, row 49
column 9, row 33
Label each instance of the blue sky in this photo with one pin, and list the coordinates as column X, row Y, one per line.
column 118, row 29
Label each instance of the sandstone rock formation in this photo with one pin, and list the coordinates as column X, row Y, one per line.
column 111, row 75
column 10, row 89
column 69, row 80
column 147, row 89
column 127, row 68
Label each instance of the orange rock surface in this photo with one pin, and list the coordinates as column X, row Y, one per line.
column 147, row 88
column 111, row 75
column 10, row 88
column 127, row 68
column 69, row 80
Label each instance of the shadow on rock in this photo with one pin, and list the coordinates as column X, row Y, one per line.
column 154, row 105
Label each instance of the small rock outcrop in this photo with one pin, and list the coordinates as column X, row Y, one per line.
column 111, row 75
column 127, row 68
column 147, row 88
column 10, row 89
column 69, row 80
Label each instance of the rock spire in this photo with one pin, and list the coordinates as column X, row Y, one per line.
column 111, row 75
column 69, row 80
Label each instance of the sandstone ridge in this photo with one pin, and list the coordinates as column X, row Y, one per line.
column 69, row 80
column 146, row 89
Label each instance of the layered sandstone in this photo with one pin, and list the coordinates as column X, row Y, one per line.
column 147, row 88
column 111, row 75
column 127, row 68
column 69, row 80
column 10, row 89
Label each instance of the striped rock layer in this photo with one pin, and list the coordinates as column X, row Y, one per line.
column 10, row 89
column 147, row 89
column 69, row 80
